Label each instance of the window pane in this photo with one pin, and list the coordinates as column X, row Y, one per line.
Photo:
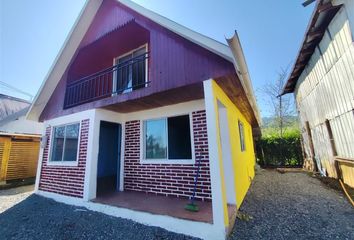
column 58, row 144
column 155, row 139
column 139, row 69
column 242, row 136
column 124, row 73
column 71, row 142
column 179, row 138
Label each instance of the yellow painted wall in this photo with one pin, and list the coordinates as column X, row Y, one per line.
column 243, row 162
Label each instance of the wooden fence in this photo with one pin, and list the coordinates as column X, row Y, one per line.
column 18, row 157
column 346, row 170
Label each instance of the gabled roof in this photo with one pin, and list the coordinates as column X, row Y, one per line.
column 10, row 105
column 80, row 28
column 321, row 17
column 14, row 116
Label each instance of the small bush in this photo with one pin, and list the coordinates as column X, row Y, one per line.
column 273, row 150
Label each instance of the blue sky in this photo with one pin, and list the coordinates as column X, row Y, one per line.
column 32, row 32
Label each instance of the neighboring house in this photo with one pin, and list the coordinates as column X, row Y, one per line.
column 18, row 124
column 19, row 141
column 10, row 105
column 133, row 103
column 322, row 80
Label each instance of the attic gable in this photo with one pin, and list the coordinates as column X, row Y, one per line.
column 76, row 40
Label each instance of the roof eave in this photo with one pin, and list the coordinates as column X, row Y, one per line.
column 83, row 21
column 322, row 15
column 241, row 69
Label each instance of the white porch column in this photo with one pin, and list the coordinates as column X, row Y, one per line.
column 42, row 145
column 215, row 173
column 91, row 158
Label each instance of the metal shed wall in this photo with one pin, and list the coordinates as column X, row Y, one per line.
column 325, row 91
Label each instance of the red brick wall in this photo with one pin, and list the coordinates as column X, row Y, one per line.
column 167, row 179
column 65, row 180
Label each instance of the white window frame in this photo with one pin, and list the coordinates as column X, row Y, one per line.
column 143, row 160
column 63, row 163
column 115, row 62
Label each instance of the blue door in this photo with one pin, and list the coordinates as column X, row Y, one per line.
column 108, row 165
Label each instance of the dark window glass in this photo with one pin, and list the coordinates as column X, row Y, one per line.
column 124, row 74
column 138, row 71
column 58, row 144
column 131, row 71
column 71, row 142
column 168, row 138
column 179, row 138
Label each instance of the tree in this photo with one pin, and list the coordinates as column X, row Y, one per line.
column 282, row 106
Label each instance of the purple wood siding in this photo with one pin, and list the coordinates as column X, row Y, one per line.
column 174, row 61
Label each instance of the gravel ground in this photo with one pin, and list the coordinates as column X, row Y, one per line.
column 11, row 197
column 40, row 218
column 282, row 206
column 294, row 206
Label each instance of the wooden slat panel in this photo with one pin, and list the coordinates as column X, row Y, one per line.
column 5, row 157
column 2, row 177
column 347, row 173
column 23, row 160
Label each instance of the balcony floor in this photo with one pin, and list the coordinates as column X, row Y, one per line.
column 161, row 205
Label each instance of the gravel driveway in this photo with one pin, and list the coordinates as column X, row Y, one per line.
column 282, row 206
column 40, row 218
column 12, row 196
column 294, row 206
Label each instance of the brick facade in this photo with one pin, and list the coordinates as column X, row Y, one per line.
column 167, row 179
column 65, row 180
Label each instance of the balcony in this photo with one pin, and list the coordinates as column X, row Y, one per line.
column 130, row 73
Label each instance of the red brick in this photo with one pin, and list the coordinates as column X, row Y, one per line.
column 167, row 179
column 65, row 180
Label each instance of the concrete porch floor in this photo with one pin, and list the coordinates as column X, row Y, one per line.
column 161, row 205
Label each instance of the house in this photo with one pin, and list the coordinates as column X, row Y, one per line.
column 135, row 107
column 18, row 124
column 19, row 142
column 322, row 81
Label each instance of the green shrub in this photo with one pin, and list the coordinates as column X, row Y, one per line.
column 273, row 150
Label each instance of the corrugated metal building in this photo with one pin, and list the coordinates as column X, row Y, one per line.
column 19, row 141
column 322, row 80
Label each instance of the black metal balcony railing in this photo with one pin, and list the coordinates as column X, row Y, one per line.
column 120, row 78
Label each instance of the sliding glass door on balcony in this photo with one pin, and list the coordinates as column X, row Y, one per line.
column 128, row 73
column 131, row 72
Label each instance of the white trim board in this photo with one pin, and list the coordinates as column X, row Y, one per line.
column 62, row 60
column 202, row 230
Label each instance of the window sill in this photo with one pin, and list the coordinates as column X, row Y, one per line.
column 168, row 161
column 63, row 164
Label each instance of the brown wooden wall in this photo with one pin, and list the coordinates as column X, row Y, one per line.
column 18, row 157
